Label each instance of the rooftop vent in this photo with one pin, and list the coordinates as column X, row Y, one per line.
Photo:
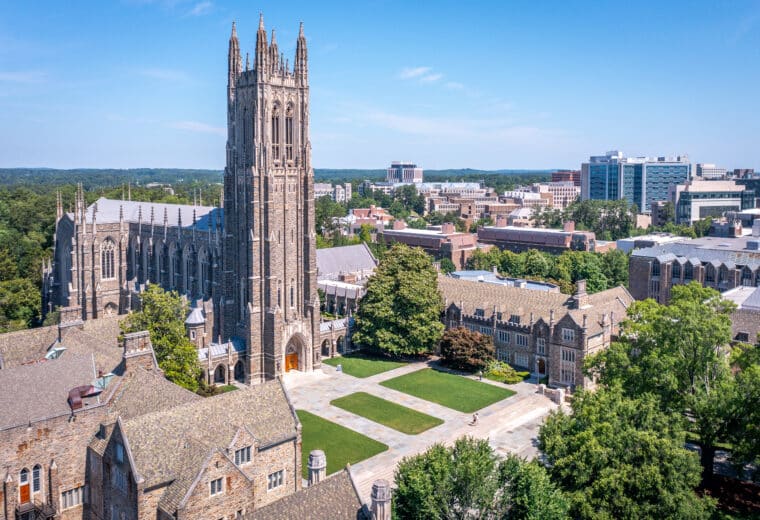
column 753, row 245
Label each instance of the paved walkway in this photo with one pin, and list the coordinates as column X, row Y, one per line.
column 510, row 425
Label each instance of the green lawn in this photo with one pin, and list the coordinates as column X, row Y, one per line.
column 452, row 391
column 387, row 413
column 341, row 445
column 362, row 365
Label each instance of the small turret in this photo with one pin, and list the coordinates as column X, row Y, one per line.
column 300, row 67
column 262, row 50
column 233, row 63
column 274, row 53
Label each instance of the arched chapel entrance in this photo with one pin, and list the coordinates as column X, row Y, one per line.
column 293, row 354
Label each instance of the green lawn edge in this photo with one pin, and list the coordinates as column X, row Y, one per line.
column 341, row 445
column 449, row 390
column 387, row 413
column 362, row 365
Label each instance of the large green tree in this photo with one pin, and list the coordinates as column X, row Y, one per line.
column 680, row 353
column 464, row 349
column 621, row 458
column 163, row 316
column 469, row 481
column 401, row 310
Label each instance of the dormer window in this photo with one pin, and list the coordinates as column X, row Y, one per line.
column 243, row 456
column 480, row 313
column 119, row 450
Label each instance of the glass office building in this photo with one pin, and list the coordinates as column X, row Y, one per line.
column 639, row 180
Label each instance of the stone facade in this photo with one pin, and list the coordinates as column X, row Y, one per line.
column 251, row 265
column 548, row 333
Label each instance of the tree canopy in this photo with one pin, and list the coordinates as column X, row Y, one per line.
column 463, row 349
column 400, row 312
column 163, row 316
column 470, row 481
column 622, row 458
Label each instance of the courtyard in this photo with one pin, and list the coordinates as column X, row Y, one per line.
column 407, row 409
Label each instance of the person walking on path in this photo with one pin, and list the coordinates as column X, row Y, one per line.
column 474, row 419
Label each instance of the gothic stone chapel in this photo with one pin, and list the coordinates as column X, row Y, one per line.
column 249, row 266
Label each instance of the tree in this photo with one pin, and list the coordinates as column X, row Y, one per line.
column 163, row 316
column 463, row 349
column 615, row 267
column 401, row 310
column 469, row 481
column 365, row 233
column 447, row 266
column 20, row 304
column 679, row 352
column 622, row 458
column 325, row 212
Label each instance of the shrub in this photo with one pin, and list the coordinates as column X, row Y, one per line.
column 463, row 349
column 502, row 372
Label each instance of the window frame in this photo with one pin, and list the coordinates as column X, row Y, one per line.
column 216, row 487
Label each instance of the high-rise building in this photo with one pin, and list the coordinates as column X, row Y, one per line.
column 698, row 199
column 639, row 180
column 403, row 172
column 709, row 171
column 573, row 176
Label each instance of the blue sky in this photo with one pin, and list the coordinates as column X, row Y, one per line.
column 502, row 84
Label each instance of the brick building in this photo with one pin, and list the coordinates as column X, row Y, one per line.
column 519, row 239
column 440, row 242
column 548, row 333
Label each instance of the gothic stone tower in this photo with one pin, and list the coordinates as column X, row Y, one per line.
column 270, row 275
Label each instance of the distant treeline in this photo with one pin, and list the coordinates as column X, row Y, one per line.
column 104, row 178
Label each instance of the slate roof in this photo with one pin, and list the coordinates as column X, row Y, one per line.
column 147, row 391
column 220, row 349
column 521, row 302
column 109, row 210
column 98, row 337
column 40, row 390
column 706, row 250
column 335, row 498
column 195, row 317
column 179, row 456
column 333, row 261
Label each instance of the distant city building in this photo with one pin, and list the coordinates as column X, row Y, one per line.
column 548, row 333
column 722, row 263
column 639, row 180
column 440, row 242
column 744, row 173
column 373, row 216
column 519, row 239
column 698, row 199
column 573, row 176
column 338, row 193
column 405, row 172
column 558, row 195
column 659, row 212
column 709, row 171
column 627, row 245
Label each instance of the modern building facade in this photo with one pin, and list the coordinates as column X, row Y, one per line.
column 406, row 172
column 639, row 180
column 710, row 172
column 548, row 333
column 698, row 199
column 518, row 239
column 573, row 176
column 338, row 193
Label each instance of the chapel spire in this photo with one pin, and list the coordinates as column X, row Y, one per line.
column 234, row 62
column 300, row 67
column 262, row 49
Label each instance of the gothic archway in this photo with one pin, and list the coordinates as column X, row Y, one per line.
column 326, row 348
column 341, row 345
column 295, row 354
column 240, row 372
column 220, row 375
column 541, row 365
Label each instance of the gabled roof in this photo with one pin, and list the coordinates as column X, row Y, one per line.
column 169, row 447
column 334, row 498
column 109, row 211
column 333, row 261
column 40, row 390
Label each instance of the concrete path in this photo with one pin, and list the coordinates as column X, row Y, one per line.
column 510, row 425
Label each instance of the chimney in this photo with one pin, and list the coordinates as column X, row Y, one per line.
column 580, row 298
column 501, row 221
column 447, row 228
column 138, row 350
column 317, row 467
column 399, row 224
column 569, row 226
column 381, row 500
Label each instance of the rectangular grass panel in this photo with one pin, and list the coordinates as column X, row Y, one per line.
column 387, row 413
column 363, row 365
column 341, row 445
column 450, row 390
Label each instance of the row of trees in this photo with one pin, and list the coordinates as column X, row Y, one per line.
column 608, row 219
column 600, row 270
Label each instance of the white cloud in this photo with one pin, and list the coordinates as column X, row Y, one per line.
column 196, row 126
column 414, row 72
column 201, row 8
column 25, row 76
column 453, row 85
column 431, row 78
column 162, row 74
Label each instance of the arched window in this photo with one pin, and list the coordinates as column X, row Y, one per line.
column 289, row 134
column 688, row 271
column 746, row 276
column 722, row 273
column 676, row 270
column 292, row 294
column 656, row 268
column 36, row 478
column 710, row 273
column 107, row 270
column 276, row 133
